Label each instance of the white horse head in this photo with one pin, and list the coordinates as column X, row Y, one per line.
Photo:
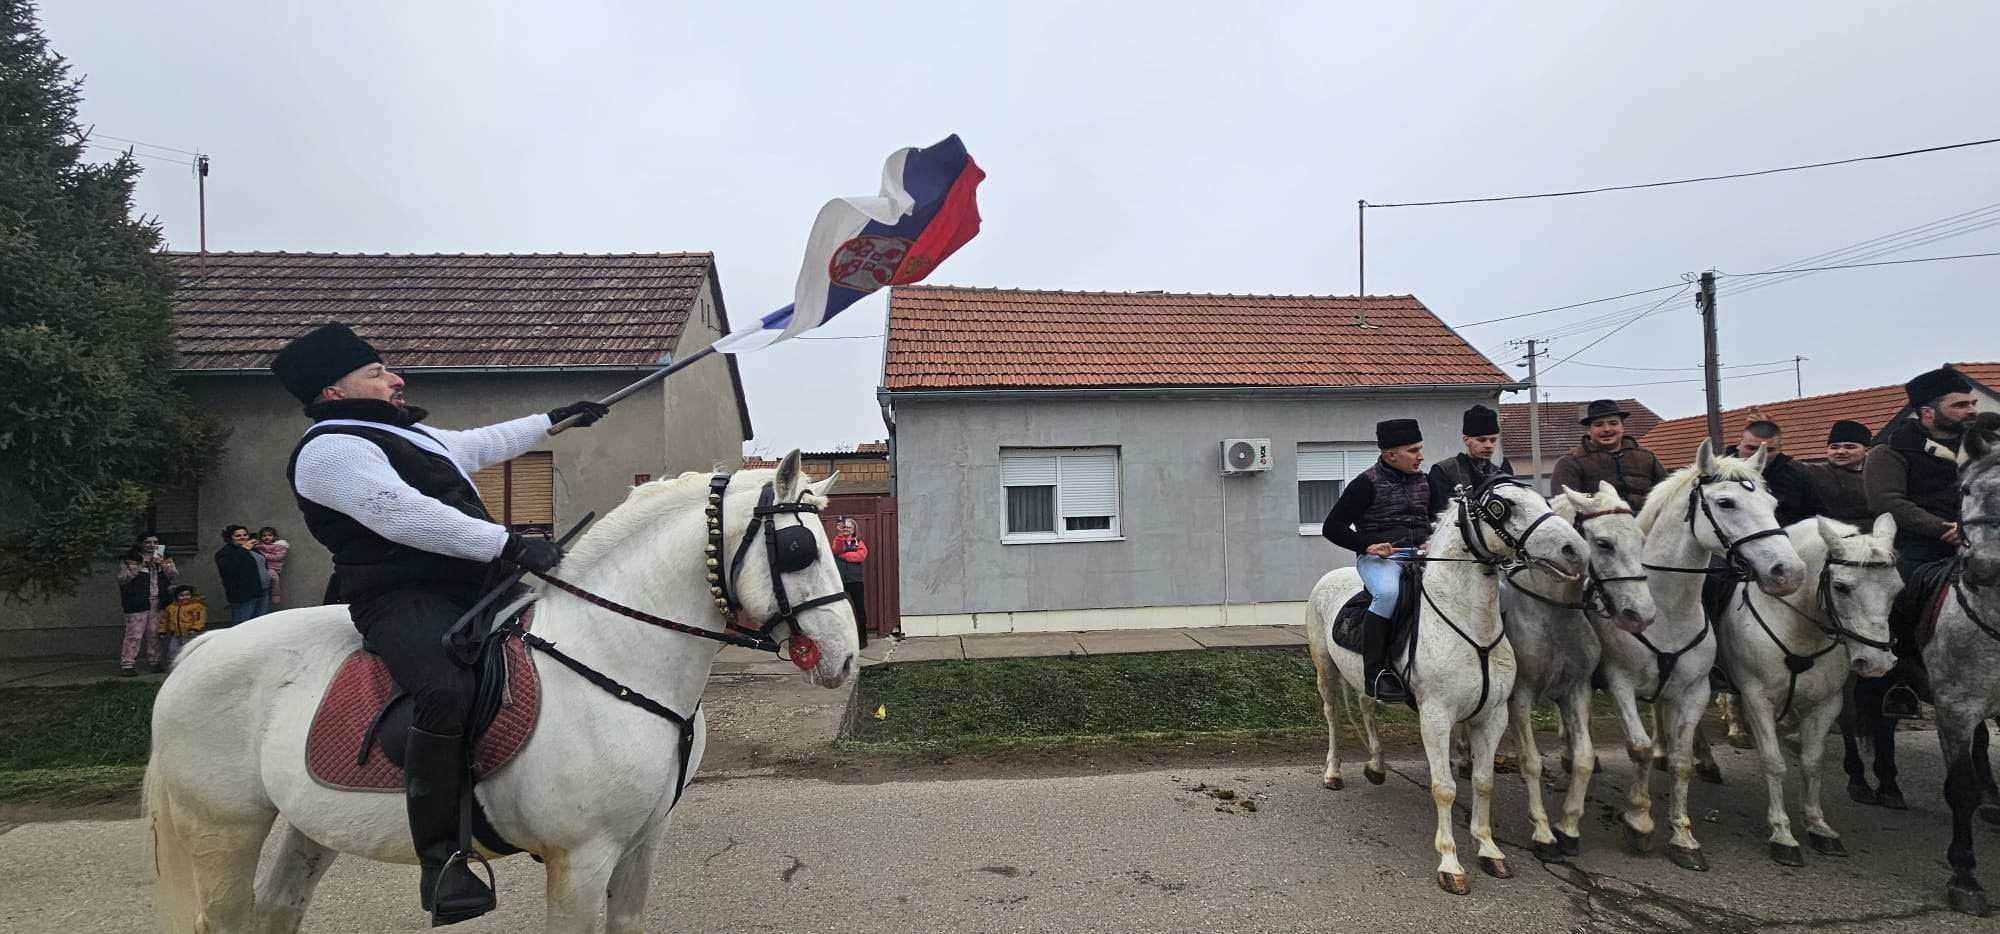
column 1617, row 553
column 1509, row 519
column 831, row 625
column 1724, row 503
column 1860, row 572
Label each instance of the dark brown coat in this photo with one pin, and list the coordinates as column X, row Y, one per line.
column 1839, row 494
column 1630, row 469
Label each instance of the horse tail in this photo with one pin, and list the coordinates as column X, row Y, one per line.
column 174, row 898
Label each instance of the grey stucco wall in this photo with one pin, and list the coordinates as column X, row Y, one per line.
column 1191, row 536
column 594, row 471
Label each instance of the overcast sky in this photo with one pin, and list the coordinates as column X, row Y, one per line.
column 1151, row 145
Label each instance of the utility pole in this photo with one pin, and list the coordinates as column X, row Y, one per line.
column 1534, row 413
column 1361, row 263
column 201, row 196
column 1798, row 376
column 1705, row 300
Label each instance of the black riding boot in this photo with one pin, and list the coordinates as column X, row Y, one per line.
column 1379, row 676
column 436, row 769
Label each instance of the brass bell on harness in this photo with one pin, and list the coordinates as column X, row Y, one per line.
column 715, row 591
column 714, row 563
column 715, row 497
column 722, row 604
column 710, row 548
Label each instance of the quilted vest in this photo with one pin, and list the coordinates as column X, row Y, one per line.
column 1401, row 512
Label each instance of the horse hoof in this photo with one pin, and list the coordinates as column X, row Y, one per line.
column 1862, row 794
column 1689, row 858
column 1826, row 846
column 1966, row 899
column 1788, row 855
column 1742, row 741
column 1550, row 852
column 1708, row 772
column 1374, row 776
column 1989, row 813
column 1641, row 843
column 1333, row 784
column 1892, row 799
column 1454, row 883
column 1497, row 868
column 1571, row 846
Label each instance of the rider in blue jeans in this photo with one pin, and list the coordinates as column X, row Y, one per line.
column 1383, row 516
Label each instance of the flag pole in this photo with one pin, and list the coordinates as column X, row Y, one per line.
column 647, row 380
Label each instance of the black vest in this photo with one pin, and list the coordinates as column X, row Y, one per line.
column 1401, row 512
column 365, row 563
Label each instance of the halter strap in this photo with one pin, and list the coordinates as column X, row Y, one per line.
column 1484, row 651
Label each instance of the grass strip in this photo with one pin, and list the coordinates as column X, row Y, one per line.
column 74, row 744
column 971, row 703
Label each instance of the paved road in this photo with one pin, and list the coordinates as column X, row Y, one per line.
column 1138, row 851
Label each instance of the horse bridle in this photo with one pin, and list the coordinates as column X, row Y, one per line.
column 1594, row 601
column 1731, row 548
column 1492, row 510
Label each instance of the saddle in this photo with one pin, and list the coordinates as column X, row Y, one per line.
column 1348, row 621
column 358, row 733
column 1913, row 617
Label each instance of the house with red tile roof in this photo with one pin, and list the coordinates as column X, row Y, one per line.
column 1560, row 432
column 480, row 338
column 1108, row 460
column 1805, row 422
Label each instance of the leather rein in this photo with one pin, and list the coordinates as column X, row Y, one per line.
column 1829, row 622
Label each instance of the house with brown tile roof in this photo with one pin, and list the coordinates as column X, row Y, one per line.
column 1805, row 422
column 1560, row 432
column 480, row 338
column 1099, row 460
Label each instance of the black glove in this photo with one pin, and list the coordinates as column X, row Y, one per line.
column 586, row 412
column 534, row 554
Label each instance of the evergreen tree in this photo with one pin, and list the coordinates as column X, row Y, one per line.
column 90, row 424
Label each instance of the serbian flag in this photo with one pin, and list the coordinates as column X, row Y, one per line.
column 925, row 212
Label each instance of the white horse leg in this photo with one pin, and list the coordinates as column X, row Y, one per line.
column 224, row 861
column 1812, row 748
column 1704, row 753
column 286, row 887
column 579, row 885
column 1764, row 729
column 1639, row 747
column 1374, row 771
column 1329, row 693
column 1575, row 711
column 625, row 906
column 1461, row 752
column 1732, row 716
column 1679, row 717
column 1486, row 732
column 1546, row 848
column 1444, row 791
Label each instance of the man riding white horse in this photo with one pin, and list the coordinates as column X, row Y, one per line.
column 412, row 545
column 1383, row 516
column 1480, row 433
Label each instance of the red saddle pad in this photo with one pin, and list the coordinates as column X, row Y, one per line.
column 1927, row 624
column 356, row 695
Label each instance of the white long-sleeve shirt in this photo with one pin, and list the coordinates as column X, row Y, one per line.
column 352, row 476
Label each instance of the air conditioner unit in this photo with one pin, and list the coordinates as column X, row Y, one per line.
column 1245, row 455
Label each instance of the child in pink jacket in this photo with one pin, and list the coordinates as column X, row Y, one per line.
column 273, row 550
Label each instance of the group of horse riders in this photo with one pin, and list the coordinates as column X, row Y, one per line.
column 1385, row 515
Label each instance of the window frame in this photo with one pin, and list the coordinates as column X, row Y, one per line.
column 1115, row 533
column 1352, row 453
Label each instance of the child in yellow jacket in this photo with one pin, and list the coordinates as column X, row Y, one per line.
column 183, row 619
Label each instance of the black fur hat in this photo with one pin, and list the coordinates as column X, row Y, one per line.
column 319, row 358
column 1850, row 432
column 1396, row 432
column 1942, row 381
column 1479, row 422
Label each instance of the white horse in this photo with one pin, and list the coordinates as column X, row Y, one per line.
column 591, row 792
column 1717, row 507
column 1463, row 669
column 1836, row 623
column 1556, row 649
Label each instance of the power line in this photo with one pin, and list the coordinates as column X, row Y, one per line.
column 1594, row 301
column 1659, row 383
column 1677, row 369
column 1633, row 320
column 140, row 142
column 1886, row 262
column 1688, row 181
column 141, row 155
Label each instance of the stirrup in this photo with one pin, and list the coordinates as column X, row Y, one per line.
column 438, row 918
column 1900, row 703
column 1396, row 693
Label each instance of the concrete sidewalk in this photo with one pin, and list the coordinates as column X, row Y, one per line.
column 1103, row 642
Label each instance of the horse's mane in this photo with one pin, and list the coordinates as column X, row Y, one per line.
column 641, row 509
column 1673, row 490
column 1447, row 520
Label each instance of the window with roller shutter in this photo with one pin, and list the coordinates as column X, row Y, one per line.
column 1060, row 494
column 173, row 514
column 521, row 493
column 1324, row 469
